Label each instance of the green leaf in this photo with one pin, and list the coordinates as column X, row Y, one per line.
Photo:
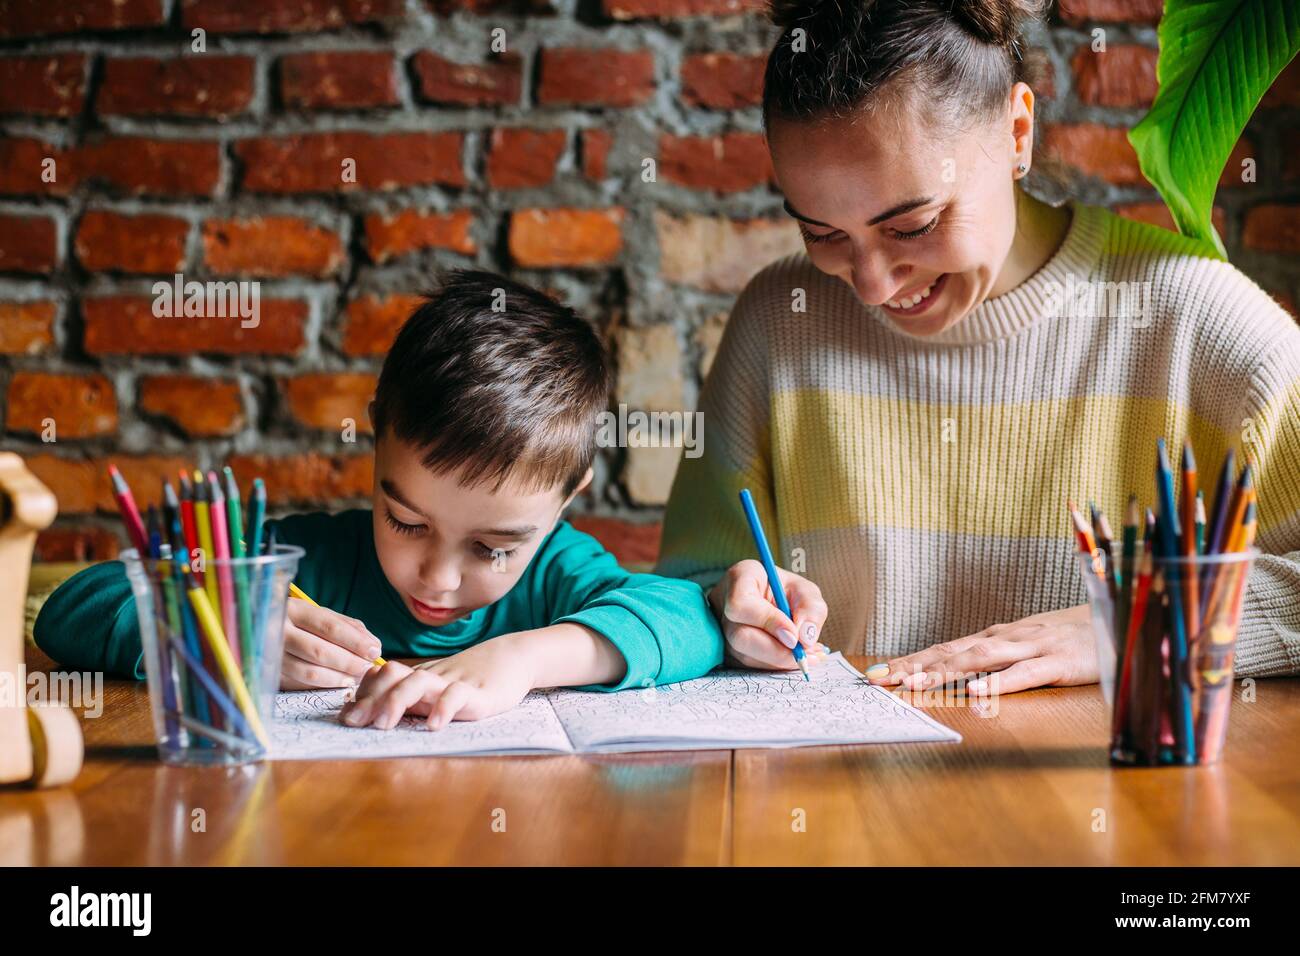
column 1217, row 59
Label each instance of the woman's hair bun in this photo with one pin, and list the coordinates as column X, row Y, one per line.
column 994, row 21
column 998, row 22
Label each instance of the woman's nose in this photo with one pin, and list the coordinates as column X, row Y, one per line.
column 874, row 278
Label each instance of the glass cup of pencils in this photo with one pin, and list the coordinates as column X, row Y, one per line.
column 1166, row 602
column 210, row 593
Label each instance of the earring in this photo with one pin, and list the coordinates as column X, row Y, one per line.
column 1022, row 169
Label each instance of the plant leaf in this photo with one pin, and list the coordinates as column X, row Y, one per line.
column 1217, row 59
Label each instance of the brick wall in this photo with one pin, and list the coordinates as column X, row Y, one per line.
column 227, row 164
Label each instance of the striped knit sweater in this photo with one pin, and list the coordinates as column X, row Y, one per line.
column 921, row 483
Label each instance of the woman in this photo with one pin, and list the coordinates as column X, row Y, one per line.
column 913, row 401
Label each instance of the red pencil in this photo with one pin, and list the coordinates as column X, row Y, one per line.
column 130, row 513
column 188, row 526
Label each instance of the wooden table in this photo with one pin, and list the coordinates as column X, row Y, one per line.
column 1028, row 785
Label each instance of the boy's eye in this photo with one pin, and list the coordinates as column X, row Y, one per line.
column 489, row 554
column 917, row 233
column 401, row 527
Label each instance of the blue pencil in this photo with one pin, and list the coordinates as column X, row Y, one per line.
column 773, row 579
column 1169, row 546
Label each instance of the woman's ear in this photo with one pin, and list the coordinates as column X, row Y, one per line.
column 1022, row 128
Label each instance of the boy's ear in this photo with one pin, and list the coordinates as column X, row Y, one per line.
column 370, row 413
column 582, row 486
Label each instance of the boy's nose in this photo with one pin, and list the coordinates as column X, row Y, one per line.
column 439, row 577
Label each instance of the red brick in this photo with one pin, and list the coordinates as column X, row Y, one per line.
column 76, row 543
column 596, row 77
column 440, row 80
column 631, row 543
column 732, row 162
column 1111, row 11
column 396, row 234
column 82, row 406
column 115, row 242
column 1120, row 75
column 270, row 246
column 201, row 407
column 355, row 79
column 258, row 16
column 52, row 85
column 202, row 84
column 28, row 244
column 596, row 144
column 82, row 485
column 1285, row 90
column 446, row 8
column 128, row 164
column 27, row 328
column 1273, row 228
column 1157, row 214
column 541, row 238
column 312, row 162
column 309, row 478
column 126, row 325
column 26, row 18
column 519, row 158
column 723, row 81
column 664, row 9
column 1102, row 151
column 322, row 400
column 371, row 322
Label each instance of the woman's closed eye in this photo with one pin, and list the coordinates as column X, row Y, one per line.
column 813, row 238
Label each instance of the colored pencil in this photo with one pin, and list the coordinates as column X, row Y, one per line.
column 1141, row 593
column 1128, row 555
column 244, row 608
column 1188, row 579
column 1171, row 549
column 256, row 516
column 1222, row 499
column 189, row 524
column 203, row 521
column 130, row 513
column 301, row 595
column 221, row 552
column 773, row 579
column 1199, row 518
column 1087, row 544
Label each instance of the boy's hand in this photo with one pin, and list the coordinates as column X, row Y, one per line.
column 486, row 679
column 758, row 634
column 323, row 648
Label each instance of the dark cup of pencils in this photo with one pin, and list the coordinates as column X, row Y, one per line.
column 1166, row 602
column 213, row 637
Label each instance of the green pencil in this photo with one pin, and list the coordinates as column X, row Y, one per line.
column 256, row 517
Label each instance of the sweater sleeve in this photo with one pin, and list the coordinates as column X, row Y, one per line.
column 704, row 528
column 662, row 626
column 89, row 623
column 1268, row 638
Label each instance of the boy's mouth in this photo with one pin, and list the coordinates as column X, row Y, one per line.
column 433, row 614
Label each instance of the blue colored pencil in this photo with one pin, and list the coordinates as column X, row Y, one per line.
column 1170, row 546
column 773, row 579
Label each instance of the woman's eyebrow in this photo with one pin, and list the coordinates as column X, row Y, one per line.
column 898, row 210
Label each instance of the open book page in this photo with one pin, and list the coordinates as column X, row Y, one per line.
column 306, row 727
column 743, row 708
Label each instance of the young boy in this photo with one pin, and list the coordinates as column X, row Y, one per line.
column 484, row 420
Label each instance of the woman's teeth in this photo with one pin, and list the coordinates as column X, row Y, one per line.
column 911, row 300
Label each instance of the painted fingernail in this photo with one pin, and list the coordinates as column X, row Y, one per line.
column 786, row 637
column 877, row 672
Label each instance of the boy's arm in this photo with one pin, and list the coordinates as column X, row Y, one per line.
column 662, row 627
column 89, row 623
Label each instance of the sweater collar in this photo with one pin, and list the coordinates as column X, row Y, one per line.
column 1015, row 310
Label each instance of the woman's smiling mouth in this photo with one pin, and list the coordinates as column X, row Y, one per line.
column 918, row 301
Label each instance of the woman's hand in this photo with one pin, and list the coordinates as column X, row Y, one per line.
column 1053, row 649
column 323, row 648
column 486, row 679
column 758, row 634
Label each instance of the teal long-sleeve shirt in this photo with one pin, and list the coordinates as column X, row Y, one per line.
column 662, row 626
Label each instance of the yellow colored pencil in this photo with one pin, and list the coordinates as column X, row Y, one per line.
column 203, row 522
column 301, row 595
column 211, row 627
